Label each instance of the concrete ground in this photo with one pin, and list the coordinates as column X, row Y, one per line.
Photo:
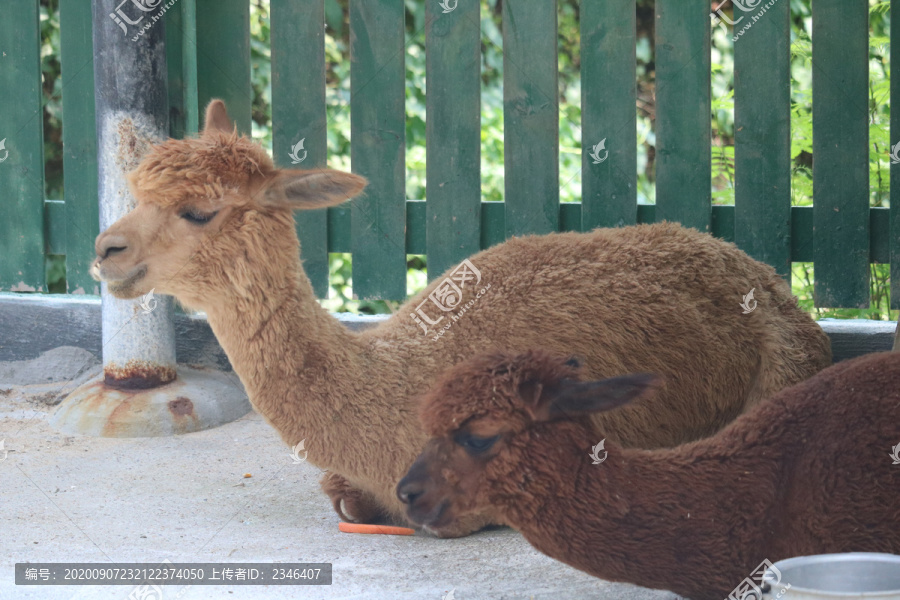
column 186, row 499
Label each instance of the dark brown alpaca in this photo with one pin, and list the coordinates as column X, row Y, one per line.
column 808, row 471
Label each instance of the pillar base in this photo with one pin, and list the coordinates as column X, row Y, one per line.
column 198, row 399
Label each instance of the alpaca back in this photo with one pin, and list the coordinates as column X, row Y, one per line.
column 792, row 348
column 841, row 475
column 836, row 487
column 659, row 298
column 649, row 298
column 807, row 471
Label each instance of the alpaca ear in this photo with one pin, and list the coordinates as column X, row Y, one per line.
column 316, row 188
column 577, row 398
column 217, row 118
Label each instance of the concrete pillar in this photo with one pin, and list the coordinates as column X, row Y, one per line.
column 142, row 391
column 130, row 94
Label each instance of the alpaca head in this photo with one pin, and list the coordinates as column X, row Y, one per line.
column 210, row 212
column 488, row 416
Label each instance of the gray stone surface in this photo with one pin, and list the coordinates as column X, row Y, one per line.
column 57, row 364
column 198, row 399
column 855, row 337
column 185, row 498
column 50, row 377
column 31, row 324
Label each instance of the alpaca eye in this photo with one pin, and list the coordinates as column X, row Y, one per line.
column 198, row 218
column 474, row 444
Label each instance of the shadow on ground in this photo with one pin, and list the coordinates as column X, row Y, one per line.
column 187, row 499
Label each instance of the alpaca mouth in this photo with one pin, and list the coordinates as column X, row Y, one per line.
column 437, row 517
column 122, row 288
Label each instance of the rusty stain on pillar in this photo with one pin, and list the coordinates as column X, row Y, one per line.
column 142, row 392
column 131, row 97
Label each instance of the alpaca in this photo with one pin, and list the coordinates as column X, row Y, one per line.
column 214, row 228
column 808, row 471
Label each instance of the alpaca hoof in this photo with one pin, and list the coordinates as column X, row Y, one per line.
column 351, row 504
column 356, row 506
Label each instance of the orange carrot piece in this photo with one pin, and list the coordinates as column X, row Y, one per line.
column 385, row 529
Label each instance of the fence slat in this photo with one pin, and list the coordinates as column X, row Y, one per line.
column 22, row 169
column 608, row 93
column 415, row 234
column 191, row 102
column 530, row 117
column 79, row 145
column 298, row 114
column 683, row 159
column 175, row 68
column 378, row 149
column 223, row 57
column 895, row 167
column 762, row 129
column 493, row 227
column 840, row 150
column 493, row 223
column 55, row 227
column 453, row 138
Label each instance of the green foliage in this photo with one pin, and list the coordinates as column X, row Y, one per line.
column 879, row 147
column 261, row 68
column 52, row 89
column 879, row 309
column 51, row 85
column 569, row 100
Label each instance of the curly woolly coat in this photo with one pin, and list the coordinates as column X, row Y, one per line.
column 650, row 297
column 808, row 471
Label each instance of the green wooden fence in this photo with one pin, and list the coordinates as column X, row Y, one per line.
column 208, row 56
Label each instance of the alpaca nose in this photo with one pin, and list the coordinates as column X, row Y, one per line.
column 107, row 245
column 409, row 491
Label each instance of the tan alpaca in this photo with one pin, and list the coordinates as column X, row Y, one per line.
column 214, row 228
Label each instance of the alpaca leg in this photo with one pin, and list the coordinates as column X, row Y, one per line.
column 351, row 504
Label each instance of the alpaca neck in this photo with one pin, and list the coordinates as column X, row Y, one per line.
column 288, row 351
column 601, row 518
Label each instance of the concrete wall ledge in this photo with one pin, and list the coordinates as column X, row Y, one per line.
column 31, row 324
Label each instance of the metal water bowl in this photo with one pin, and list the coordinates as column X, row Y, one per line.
column 849, row 576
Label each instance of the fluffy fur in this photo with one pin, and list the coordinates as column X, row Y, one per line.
column 654, row 297
column 808, row 471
